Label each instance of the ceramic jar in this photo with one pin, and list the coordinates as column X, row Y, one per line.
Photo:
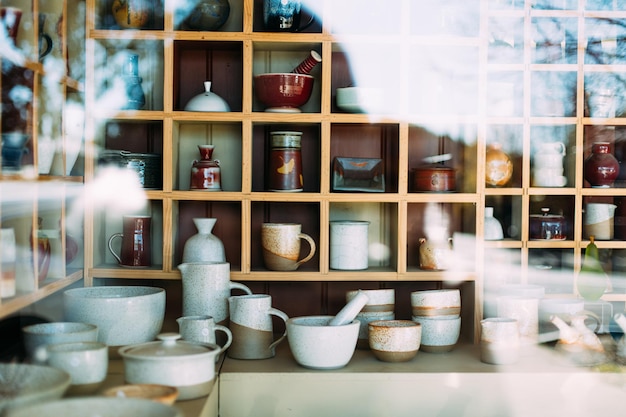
column 498, row 166
column 204, row 246
column 206, row 173
column 285, row 162
column 601, row 167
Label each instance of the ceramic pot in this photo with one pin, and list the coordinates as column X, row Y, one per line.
column 207, row 101
column 204, row 246
column 546, row 226
column 498, row 166
column 601, row 167
column 207, row 15
column 131, row 14
column 206, row 173
column 433, row 178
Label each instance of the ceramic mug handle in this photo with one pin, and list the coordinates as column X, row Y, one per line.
column 311, row 242
column 115, row 235
column 239, row 286
column 229, row 338
column 276, row 312
column 592, row 315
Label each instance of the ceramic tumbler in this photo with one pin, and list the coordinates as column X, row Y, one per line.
column 251, row 326
column 281, row 246
column 349, row 245
column 86, row 362
column 136, row 250
column 202, row 329
column 499, row 341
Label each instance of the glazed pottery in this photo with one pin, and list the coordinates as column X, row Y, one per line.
column 86, row 362
column 188, row 366
column 526, row 311
column 204, row 246
column 435, row 253
column 601, row 168
column 498, row 166
column 349, row 312
column 134, row 98
column 136, row 249
column 206, row 288
column 599, row 220
column 131, row 14
column 317, row 345
column 493, row 228
column 207, row 101
column 206, row 173
column 308, row 63
column 8, row 257
column 98, row 406
column 252, row 328
column 284, row 167
column 439, row 334
column 395, row 340
column 349, row 244
column 206, row 15
column 163, row 394
column 284, row 16
column 202, row 329
column 361, row 99
column 24, row 385
column 499, row 341
column 436, row 303
column 380, row 305
column 283, row 92
column 124, row 314
column 38, row 336
column 547, row 226
column 281, row 246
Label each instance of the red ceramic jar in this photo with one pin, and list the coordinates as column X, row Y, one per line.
column 206, row 173
column 601, row 167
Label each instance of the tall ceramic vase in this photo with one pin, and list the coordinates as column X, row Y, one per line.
column 204, row 246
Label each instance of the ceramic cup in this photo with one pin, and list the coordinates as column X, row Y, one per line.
column 380, row 306
column 38, row 336
column 436, row 303
column 86, row 362
column 281, row 246
column 251, row 327
column 549, row 177
column 526, row 311
column 349, row 245
column 599, row 221
column 439, row 334
column 499, row 341
column 206, row 288
column 202, row 329
column 395, row 340
column 136, row 248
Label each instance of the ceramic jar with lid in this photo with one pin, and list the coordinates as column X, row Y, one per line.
column 207, row 101
column 547, row 226
column 206, row 173
column 284, row 172
column 601, row 167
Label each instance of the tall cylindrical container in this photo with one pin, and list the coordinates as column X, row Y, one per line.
column 285, row 162
column 349, row 244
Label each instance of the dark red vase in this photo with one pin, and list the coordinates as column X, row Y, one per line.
column 206, row 173
column 601, row 167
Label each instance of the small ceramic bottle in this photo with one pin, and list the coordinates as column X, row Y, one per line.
column 206, row 173
column 204, row 246
column 493, row 228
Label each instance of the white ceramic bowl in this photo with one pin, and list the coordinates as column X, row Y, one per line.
column 98, row 406
column 24, row 384
column 439, row 334
column 395, row 340
column 436, row 303
column 38, row 336
column 124, row 314
column 314, row 344
column 361, row 99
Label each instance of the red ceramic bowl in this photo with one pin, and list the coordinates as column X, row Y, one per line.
column 283, row 92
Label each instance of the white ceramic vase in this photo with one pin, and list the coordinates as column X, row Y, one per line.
column 493, row 228
column 204, row 246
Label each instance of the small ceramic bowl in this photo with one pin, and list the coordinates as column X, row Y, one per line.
column 38, row 336
column 436, row 303
column 395, row 340
column 439, row 334
column 361, row 99
column 124, row 314
column 98, row 406
column 317, row 345
column 283, row 92
column 163, row 394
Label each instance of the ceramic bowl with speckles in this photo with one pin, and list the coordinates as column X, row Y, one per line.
column 395, row 340
column 317, row 345
column 436, row 303
column 439, row 334
column 38, row 336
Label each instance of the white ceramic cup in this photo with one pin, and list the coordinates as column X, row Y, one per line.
column 349, row 245
column 86, row 362
column 499, row 341
column 439, row 334
column 251, row 327
column 436, row 303
column 202, row 329
column 395, row 340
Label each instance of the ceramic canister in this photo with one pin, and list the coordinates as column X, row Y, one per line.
column 349, row 244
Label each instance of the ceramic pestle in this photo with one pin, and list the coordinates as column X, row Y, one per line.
column 349, row 312
column 308, row 64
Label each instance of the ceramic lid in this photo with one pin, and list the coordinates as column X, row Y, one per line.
column 168, row 346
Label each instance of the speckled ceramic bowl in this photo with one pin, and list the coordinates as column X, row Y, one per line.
column 395, row 340
column 436, row 303
column 317, row 345
column 38, row 336
column 98, row 406
column 124, row 315
column 439, row 334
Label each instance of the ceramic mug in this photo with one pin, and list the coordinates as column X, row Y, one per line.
column 281, row 246
column 202, row 329
column 284, row 16
column 86, row 362
column 136, row 248
column 251, row 326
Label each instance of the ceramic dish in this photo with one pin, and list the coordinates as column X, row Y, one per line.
column 358, row 174
column 361, row 99
column 163, row 394
column 98, row 406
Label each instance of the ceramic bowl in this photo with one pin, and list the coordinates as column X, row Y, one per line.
column 283, row 92
column 395, row 340
column 98, row 406
column 24, row 384
column 361, row 99
column 436, row 303
column 124, row 315
column 38, row 336
column 439, row 334
column 314, row 344
column 163, row 394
